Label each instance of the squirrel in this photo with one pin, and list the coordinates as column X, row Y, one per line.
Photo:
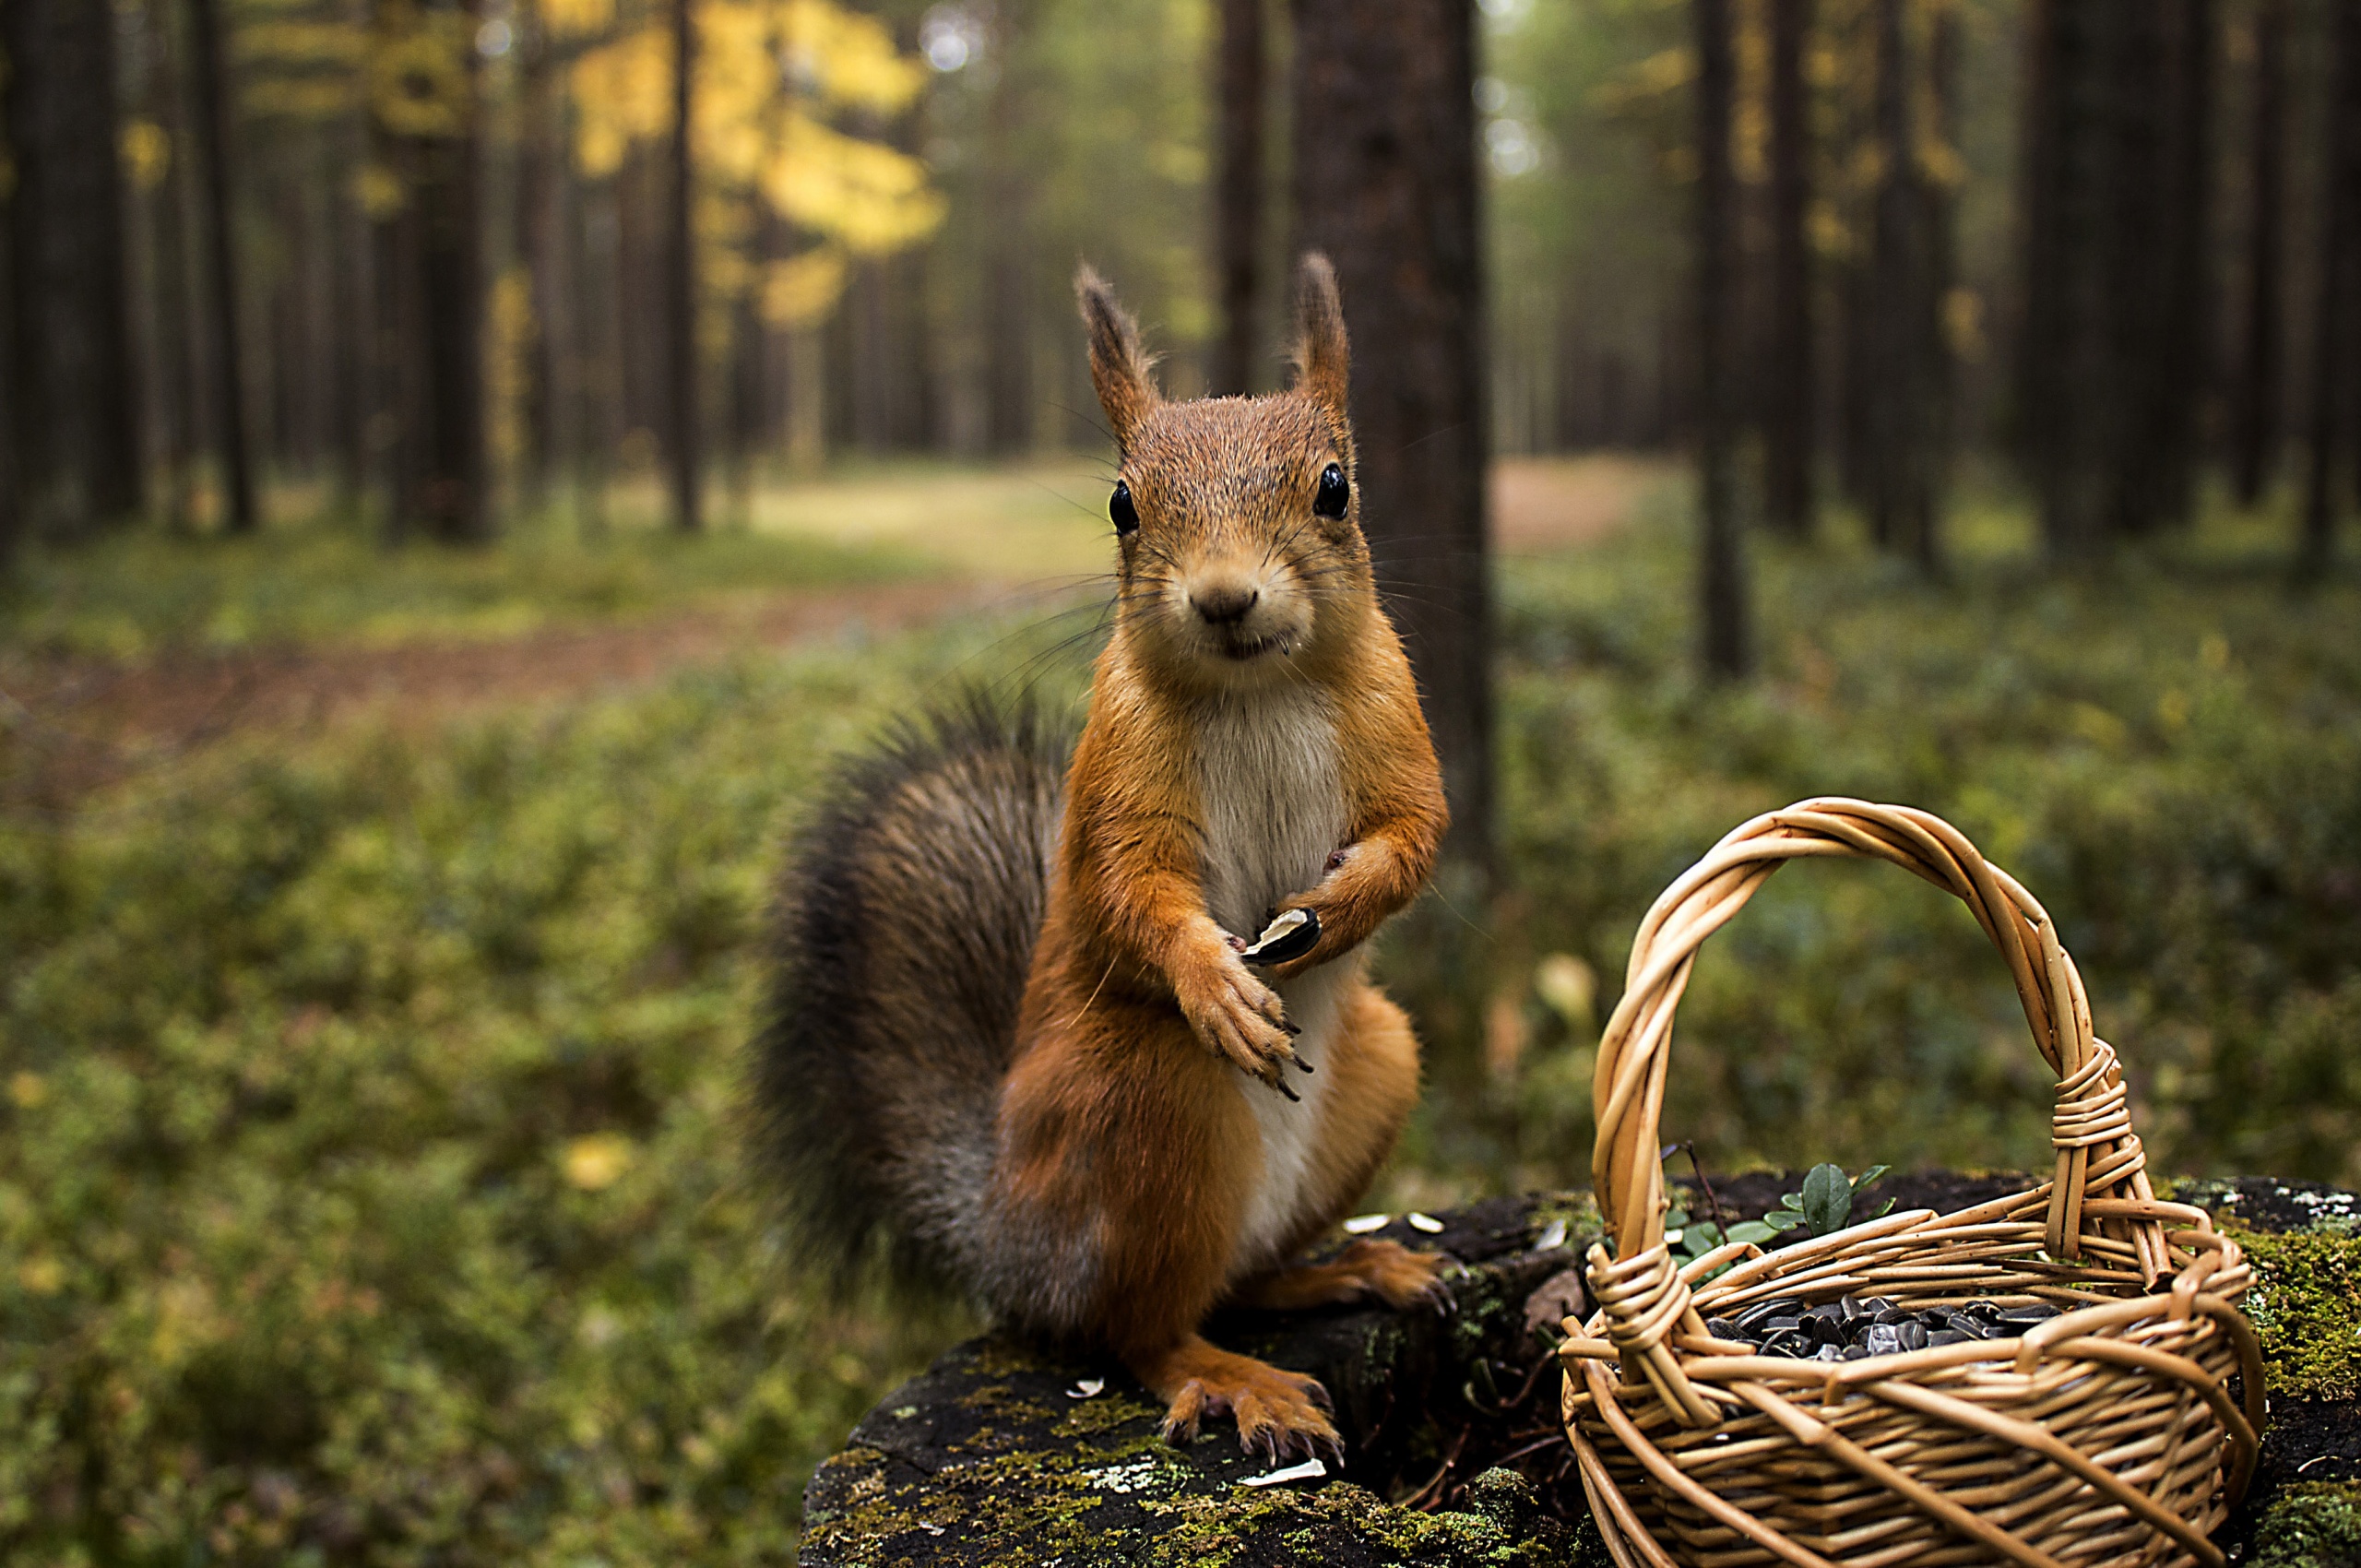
column 1016, row 1037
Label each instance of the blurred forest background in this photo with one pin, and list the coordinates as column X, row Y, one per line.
column 449, row 515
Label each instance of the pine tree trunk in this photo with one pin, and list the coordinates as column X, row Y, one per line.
column 1385, row 184
column 210, row 124
column 1939, row 241
column 679, row 283
column 450, row 284
column 172, row 355
column 354, row 323
column 2333, row 315
column 430, row 319
column 1792, row 392
column 2182, row 377
column 78, row 415
column 1897, row 498
column 1238, row 196
column 2255, row 430
column 1722, row 600
column 1006, row 246
column 540, row 176
column 12, row 526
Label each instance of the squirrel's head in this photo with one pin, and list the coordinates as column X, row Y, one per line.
column 1236, row 518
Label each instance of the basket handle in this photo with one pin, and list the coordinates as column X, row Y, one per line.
column 2097, row 1153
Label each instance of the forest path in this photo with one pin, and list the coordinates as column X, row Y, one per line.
column 73, row 724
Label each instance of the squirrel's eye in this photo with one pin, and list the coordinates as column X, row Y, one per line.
column 1334, row 493
column 1120, row 507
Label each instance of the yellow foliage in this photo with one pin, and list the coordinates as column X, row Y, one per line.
column 419, row 80
column 848, row 58
column 1650, row 83
column 300, row 44
column 513, row 330
column 577, row 19
column 299, row 98
column 766, row 74
column 147, row 153
column 804, row 289
column 623, row 93
column 379, row 191
column 870, row 197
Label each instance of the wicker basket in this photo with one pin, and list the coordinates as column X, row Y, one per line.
column 2105, row 1436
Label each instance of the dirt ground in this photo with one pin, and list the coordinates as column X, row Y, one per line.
column 70, row 725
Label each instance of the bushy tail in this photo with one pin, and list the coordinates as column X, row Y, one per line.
column 904, row 926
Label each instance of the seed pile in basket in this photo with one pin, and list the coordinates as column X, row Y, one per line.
column 1851, row 1327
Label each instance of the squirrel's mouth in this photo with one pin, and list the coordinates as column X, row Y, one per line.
column 1244, row 650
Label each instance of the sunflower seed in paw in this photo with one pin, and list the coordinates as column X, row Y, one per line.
column 1291, row 935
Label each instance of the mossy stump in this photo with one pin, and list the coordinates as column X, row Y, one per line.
column 1000, row 1454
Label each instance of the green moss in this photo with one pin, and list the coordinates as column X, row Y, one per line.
column 1578, row 1210
column 2310, row 1524
column 1214, row 1531
column 2306, row 1306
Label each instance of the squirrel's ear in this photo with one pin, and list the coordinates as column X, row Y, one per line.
column 1323, row 361
column 1119, row 366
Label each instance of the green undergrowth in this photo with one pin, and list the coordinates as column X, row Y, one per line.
column 2310, row 1524
column 328, row 578
column 2165, row 750
column 2305, row 1307
column 370, row 1183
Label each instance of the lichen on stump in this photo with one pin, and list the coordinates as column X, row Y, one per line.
column 987, row 1459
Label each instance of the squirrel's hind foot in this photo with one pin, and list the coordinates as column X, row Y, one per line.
column 1280, row 1414
column 1387, row 1270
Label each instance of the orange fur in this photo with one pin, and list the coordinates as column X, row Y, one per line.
column 1142, row 1033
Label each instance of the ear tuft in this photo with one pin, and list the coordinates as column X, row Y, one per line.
column 1323, row 361
column 1119, row 365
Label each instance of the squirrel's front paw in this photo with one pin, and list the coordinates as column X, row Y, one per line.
column 1242, row 1019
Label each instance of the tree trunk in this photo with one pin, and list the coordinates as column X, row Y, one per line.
column 11, row 487
column 1006, row 241
column 680, row 282
column 1940, row 208
column 210, row 120
column 2064, row 352
column 2255, row 416
column 1385, row 184
column 1792, row 393
column 171, row 368
column 431, row 320
column 78, row 436
column 541, row 177
column 1722, row 600
column 2182, row 378
column 1899, row 506
column 1238, row 196
column 2333, row 315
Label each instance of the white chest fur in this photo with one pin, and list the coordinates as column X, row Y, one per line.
column 1274, row 801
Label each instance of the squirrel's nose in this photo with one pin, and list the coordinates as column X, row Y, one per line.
column 1226, row 605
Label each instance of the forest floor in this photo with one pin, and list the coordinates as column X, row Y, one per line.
column 944, row 542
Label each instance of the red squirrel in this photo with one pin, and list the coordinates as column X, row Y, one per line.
column 1015, row 1039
